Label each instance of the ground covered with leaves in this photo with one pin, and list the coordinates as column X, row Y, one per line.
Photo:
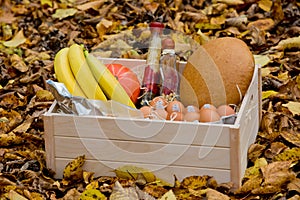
column 32, row 32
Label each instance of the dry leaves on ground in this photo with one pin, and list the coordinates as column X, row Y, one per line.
column 33, row 31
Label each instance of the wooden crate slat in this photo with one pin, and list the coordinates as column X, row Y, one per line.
column 198, row 156
column 105, row 168
column 129, row 130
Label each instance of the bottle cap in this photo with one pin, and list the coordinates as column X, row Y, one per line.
column 157, row 25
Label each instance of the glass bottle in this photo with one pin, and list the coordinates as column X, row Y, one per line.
column 152, row 77
column 168, row 67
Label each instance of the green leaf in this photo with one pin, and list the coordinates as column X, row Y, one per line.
column 64, row 13
column 16, row 40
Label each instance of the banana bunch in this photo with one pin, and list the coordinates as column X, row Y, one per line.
column 84, row 75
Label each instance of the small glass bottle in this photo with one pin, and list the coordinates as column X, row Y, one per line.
column 152, row 77
column 168, row 67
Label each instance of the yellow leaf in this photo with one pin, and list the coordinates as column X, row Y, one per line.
column 265, row 5
column 64, row 13
column 289, row 43
column 255, row 170
column 283, row 75
column 93, row 185
column 269, row 93
column 293, row 106
column 18, row 39
column 261, row 60
column 133, row 172
column 92, row 194
column 288, row 155
column 73, row 167
column 46, row 2
column 12, row 195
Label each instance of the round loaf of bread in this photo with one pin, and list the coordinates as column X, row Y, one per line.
column 218, row 72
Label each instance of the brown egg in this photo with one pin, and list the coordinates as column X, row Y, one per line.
column 160, row 113
column 146, row 110
column 209, row 106
column 191, row 116
column 225, row 110
column 176, row 116
column 191, row 108
column 208, row 115
column 175, row 106
column 158, row 102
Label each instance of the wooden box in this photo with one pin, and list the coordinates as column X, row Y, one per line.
column 165, row 147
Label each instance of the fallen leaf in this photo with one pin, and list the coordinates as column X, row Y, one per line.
column 255, row 151
column 293, row 106
column 262, row 24
column 292, row 138
column 73, row 170
column 17, row 40
column 120, row 193
column 249, row 185
column 168, row 196
column 132, row 172
column 266, row 189
column 262, row 60
column 64, row 13
column 292, row 154
column 46, row 2
column 44, row 95
column 255, row 170
column 294, row 185
column 91, row 194
column 212, row 194
column 93, row 4
column 13, row 195
column 277, row 173
column 289, row 43
column 18, row 63
column 265, row 5
column 268, row 94
column 231, row 2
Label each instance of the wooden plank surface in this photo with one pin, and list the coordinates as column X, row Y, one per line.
column 143, row 152
column 105, row 168
column 142, row 130
column 49, row 127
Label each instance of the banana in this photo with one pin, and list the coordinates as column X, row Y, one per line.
column 108, row 83
column 64, row 73
column 83, row 74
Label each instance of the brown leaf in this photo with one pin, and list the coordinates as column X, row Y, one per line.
column 9, row 120
column 254, row 151
column 268, row 122
column 294, row 185
column 275, row 149
column 293, row 138
column 212, row 194
column 262, row 24
column 151, row 6
column 18, row 63
column 277, row 173
column 93, row 4
column 266, row 189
